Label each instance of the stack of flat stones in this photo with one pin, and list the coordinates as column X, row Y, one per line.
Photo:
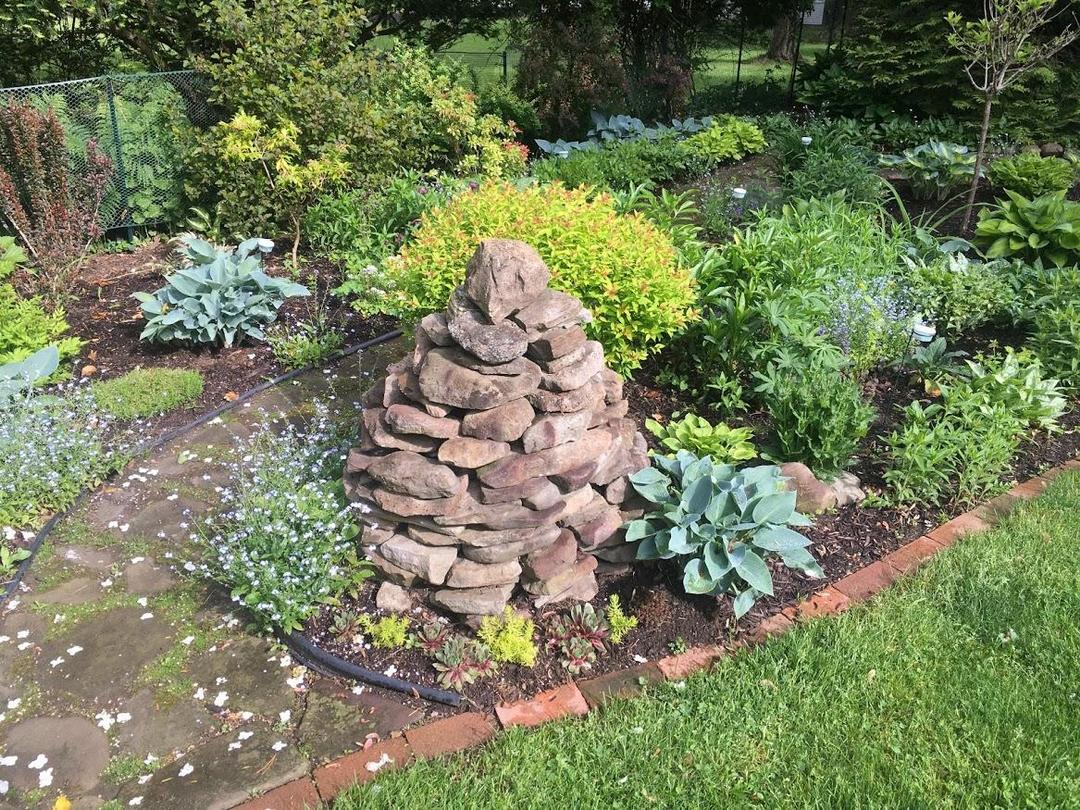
column 496, row 454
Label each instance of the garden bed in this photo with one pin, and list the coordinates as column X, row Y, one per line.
column 107, row 318
column 843, row 541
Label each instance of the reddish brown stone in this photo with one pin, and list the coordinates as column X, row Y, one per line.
column 678, row 667
column 408, row 419
column 867, row 581
column 299, row 794
column 960, row 526
column 351, row 769
column 825, row 602
column 909, row 557
column 553, row 560
column 622, row 683
column 450, row 735
column 469, row 453
column 557, row 342
column 1029, row 489
column 554, row 704
column 582, row 569
column 504, row 423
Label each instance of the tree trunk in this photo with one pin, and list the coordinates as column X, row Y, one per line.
column 782, row 45
column 979, row 158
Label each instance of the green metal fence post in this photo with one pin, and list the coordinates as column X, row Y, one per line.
column 121, row 178
column 506, row 67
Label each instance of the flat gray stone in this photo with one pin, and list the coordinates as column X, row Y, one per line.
column 77, row 591
column 115, row 644
column 252, row 682
column 488, row 601
column 337, row 721
column 428, row 562
column 158, row 730
column 94, row 559
column 147, row 578
column 445, row 382
column 221, row 778
column 77, row 751
column 493, row 342
column 412, row 474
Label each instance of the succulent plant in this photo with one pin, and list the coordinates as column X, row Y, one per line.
column 431, row 637
column 460, row 662
column 347, row 625
column 578, row 655
column 583, row 622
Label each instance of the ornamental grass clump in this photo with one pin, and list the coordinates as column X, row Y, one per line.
column 623, row 268
column 283, row 543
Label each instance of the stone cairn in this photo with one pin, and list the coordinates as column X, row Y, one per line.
column 498, row 451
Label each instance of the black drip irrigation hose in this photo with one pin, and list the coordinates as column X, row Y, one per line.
column 166, row 437
column 304, row 649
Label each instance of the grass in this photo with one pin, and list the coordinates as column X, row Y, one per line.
column 956, row 688
column 148, row 392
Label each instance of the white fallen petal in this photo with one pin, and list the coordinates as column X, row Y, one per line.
column 38, row 762
column 9, row 761
column 280, row 745
column 74, row 650
column 186, row 770
column 385, row 759
column 221, row 699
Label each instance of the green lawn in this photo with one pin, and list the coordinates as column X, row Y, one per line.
column 959, row 687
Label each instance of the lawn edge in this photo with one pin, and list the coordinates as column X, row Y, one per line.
column 577, row 698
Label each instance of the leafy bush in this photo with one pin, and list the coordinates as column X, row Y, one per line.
column 933, row 364
column 1055, row 337
column 224, row 296
column 721, row 524
column 963, row 445
column 499, row 99
column 727, row 138
column 618, row 164
column 957, row 294
column 147, row 392
column 871, row 324
column 388, row 633
column 621, row 267
column 936, row 169
column 53, row 209
column 720, row 213
column 768, row 295
column 54, row 448
column 284, row 542
column 306, row 344
column 1031, row 175
column 11, row 256
column 818, row 417
column 1045, row 229
column 723, row 444
column 26, row 326
column 509, row 637
column 825, row 171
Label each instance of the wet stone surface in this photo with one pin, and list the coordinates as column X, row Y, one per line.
column 126, row 681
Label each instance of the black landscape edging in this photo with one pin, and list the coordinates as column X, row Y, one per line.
column 306, row 650
column 174, row 433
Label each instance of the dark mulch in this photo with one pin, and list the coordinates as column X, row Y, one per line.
column 103, row 313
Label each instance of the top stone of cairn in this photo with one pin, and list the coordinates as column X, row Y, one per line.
column 503, row 276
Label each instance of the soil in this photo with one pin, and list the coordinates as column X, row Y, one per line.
column 103, row 313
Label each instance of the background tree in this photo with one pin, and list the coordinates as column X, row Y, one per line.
column 1000, row 49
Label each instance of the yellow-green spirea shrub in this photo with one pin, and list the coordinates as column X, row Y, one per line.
column 622, row 267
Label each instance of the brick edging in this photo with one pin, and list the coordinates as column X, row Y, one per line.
column 462, row 732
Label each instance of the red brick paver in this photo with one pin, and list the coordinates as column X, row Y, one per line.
column 677, row 667
column 1029, row 489
column 948, row 533
column 563, row 701
column 823, row 603
column 361, row 766
column 451, row 734
column 909, row 557
column 299, row 794
column 772, row 626
column 866, row 582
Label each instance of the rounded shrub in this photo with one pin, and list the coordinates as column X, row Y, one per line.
column 621, row 266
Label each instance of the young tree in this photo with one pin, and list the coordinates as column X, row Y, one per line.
column 1000, row 49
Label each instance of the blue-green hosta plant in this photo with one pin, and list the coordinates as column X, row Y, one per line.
column 936, row 169
column 16, row 378
column 1045, row 229
column 223, row 297
column 721, row 524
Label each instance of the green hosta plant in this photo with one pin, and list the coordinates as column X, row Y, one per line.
column 725, row 444
column 721, row 524
column 727, row 138
column 1032, row 175
column 936, row 169
column 223, row 297
column 1045, row 228
column 18, row 377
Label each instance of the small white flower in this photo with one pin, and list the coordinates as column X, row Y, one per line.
column 105, row 720
column 22, row 634
column 14, row 703
column 385, row 759
column 187, row 641
column 56, row 662
column 200, row 694
column 4, row 787
column 245, row 735
column 123, row 717
column 142, row 599
column 135, row 802
column 146, row 777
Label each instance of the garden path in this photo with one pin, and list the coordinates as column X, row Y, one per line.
column 125, row 682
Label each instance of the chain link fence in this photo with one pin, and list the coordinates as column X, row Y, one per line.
column 487, row 66
column 137, row 120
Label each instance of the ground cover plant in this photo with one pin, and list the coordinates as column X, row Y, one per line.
column 835, row 704
column 147, row 391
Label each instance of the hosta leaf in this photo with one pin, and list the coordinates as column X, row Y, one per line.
column 804, row 561
column 716, row 560
column 776, row 507
column 638, row 530
column 779, row 538
column 696, row 579
column 756, row 573
column 743, row 602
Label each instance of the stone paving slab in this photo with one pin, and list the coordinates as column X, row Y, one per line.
column 136, row 683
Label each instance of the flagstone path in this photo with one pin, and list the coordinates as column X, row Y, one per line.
column 125, row 682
